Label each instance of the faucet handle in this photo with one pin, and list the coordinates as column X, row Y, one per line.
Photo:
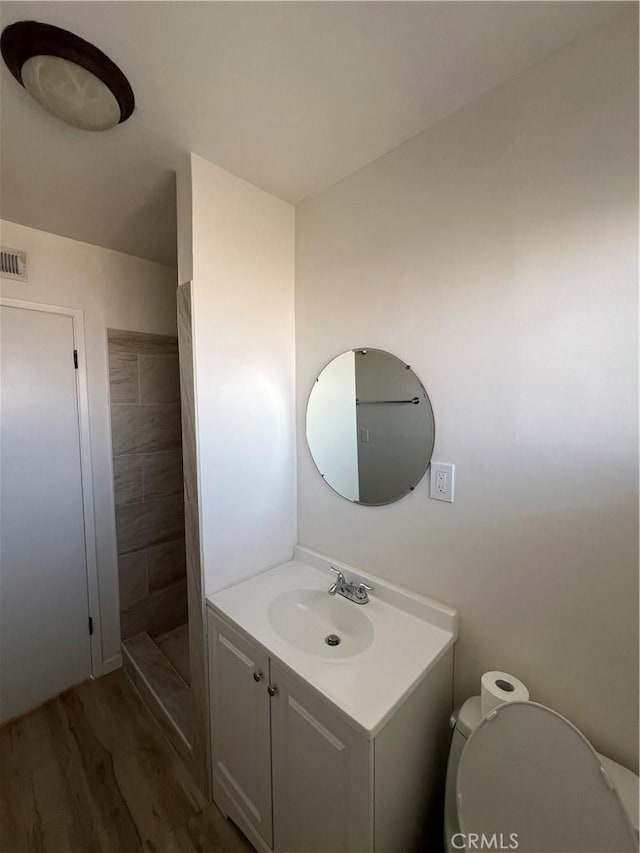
column 362, row 592
column 340, row 578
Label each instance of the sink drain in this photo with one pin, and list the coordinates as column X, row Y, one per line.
column 332, row 640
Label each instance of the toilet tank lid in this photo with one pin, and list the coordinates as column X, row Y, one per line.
column 468, row 716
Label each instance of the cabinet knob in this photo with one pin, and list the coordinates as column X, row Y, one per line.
column 257, row 676
column 272, row 690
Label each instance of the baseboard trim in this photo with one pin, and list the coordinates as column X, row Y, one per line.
column 111, row 664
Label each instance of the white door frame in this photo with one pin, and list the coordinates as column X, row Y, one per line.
column 93, row 602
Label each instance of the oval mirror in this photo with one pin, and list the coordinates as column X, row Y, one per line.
column 370, row 426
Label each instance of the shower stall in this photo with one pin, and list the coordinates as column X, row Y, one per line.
column 146, row 435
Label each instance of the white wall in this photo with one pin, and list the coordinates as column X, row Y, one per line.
column 114, row 291
column 497, row 254
column 184, row 220
column 244, row 354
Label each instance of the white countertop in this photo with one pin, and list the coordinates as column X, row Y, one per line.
column 411, row 635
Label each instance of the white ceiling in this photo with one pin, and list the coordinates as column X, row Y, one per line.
column 292, row 96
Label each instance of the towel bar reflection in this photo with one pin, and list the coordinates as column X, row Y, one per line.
column 414, row 400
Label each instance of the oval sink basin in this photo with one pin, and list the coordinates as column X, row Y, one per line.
column 305, row 618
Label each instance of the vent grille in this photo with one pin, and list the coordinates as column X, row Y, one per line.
column 13, row 264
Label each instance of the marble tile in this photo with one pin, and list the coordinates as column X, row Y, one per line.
column 160, row 612
column 175, row 646
column 189, row 458
column 166, row 563
column 123, row 377
column 165, row 692
column 141, row 524
column 121, row 340
column 197, row 649
column 187, row 394
column 159, row 378
column 127, row 479
column 192, row 550
column 162, row 474
column 183, row 307
column 145, row 429
column 132, row 575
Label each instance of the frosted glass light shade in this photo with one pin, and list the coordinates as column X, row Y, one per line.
column 70, row 92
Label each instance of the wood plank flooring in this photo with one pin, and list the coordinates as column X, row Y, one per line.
column 91, row 771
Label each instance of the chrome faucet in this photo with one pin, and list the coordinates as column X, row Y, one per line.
column 357, row 592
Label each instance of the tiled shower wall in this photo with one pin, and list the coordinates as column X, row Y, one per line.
column 147, row 461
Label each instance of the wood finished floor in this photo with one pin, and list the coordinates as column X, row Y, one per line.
column 91, row 771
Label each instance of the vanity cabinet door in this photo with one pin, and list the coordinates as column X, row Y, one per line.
column 240, row 725
column 322, row 774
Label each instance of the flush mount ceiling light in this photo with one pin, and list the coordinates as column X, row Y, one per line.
column 67, row 76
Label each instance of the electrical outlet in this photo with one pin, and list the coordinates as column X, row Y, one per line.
column 441, row 481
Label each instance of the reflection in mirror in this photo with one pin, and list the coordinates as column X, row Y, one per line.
column 370, row 426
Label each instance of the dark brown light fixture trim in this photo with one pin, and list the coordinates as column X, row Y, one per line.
column 24, row 39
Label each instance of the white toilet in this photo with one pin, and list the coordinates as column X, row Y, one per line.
column 524, row 778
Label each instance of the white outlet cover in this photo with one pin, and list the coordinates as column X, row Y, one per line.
column 442, row 481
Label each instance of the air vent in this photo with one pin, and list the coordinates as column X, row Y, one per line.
column 13, row 264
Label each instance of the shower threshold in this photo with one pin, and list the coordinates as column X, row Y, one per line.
column 157, row 670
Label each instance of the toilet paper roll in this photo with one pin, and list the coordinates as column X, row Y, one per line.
column 496, row 688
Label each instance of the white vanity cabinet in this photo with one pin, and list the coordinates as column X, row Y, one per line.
column 286, row 754
column 322, row 774
column 240, row 726
column 297, row 777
